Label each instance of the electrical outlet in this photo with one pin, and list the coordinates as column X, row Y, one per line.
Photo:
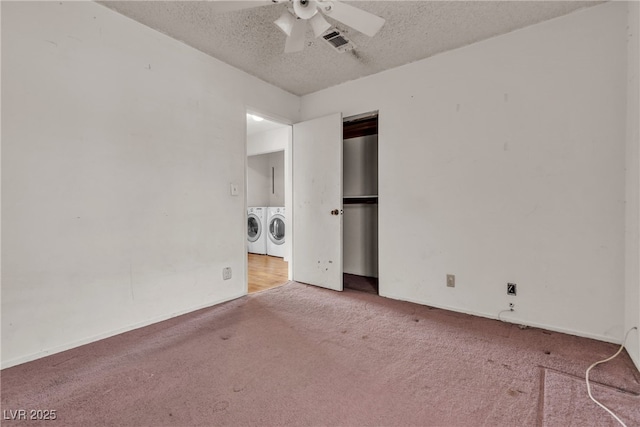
column 451, row 280
column 226, row 273
column 511, row 289
column 511, row 306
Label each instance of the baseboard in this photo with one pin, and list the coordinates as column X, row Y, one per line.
column 636, row 361
column 633, row 342
column 547, row 327
column 88, row 340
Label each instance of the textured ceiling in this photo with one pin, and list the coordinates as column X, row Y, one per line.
column 246, row 38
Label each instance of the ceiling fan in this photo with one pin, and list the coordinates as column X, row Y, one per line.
column 294, row 19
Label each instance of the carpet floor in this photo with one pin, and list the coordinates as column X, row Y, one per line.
column 360, row 283
column 304, row 356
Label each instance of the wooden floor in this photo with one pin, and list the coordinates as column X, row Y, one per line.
column 266, row 272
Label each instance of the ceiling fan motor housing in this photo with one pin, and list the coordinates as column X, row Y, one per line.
column 305, row 9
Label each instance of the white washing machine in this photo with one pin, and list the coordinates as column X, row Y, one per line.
column 275, row 232
column 257, row 230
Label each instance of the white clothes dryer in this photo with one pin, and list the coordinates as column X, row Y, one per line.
column 256, row 230
column 276, row 232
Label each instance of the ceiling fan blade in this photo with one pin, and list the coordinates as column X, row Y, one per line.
column 319, row 24
column 285, row 22
column 295, row 41
column 358, row 19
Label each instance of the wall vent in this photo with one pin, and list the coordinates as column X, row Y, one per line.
column 338, row 41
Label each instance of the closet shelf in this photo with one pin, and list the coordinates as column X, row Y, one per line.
column 351, row 200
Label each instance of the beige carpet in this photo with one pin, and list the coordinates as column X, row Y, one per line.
column 298, row 355
column 566, row 403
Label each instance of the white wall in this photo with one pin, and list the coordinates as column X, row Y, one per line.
column 258, row 180
column 119, row 145
column 632, row 279
column 503, row 161
column 276, row 187
column 269, row 141
column 262, row 190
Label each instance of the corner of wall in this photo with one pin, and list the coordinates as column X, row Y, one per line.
column 632, row 190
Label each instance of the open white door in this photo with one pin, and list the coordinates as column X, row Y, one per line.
column 317, row 202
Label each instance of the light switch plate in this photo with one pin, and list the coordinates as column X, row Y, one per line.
column 234, row 189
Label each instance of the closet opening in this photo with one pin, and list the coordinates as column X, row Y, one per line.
column 360, row 202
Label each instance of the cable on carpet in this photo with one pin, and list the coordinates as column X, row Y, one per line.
column 510, row 310
column 603, row 361
column 500, row 313
column 505, row 311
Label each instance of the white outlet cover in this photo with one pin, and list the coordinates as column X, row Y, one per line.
column 451, row 280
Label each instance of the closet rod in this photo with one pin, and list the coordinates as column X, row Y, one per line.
column 360, row 200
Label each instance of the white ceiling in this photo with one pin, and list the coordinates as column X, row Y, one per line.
column 246, row 38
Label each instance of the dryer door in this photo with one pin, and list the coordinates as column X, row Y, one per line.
column 276, row 229
column 254, row 228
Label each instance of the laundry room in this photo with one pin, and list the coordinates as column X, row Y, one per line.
column 265, row 191
column 267, row 198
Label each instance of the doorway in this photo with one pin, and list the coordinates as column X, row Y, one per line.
column 268, row 195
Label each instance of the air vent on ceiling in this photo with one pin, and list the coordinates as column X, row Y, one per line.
column 337, row 40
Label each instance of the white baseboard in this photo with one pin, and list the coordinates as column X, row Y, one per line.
column 547, row 327
column 78, row 343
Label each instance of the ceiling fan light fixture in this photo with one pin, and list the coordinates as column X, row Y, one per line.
column 285, row 22
column 305, row 9
column 319, row 24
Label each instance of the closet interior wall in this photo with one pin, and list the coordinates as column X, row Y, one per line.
column 360, row 192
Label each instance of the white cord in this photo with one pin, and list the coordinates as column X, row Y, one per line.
column 603, row 361
column 504, row 311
